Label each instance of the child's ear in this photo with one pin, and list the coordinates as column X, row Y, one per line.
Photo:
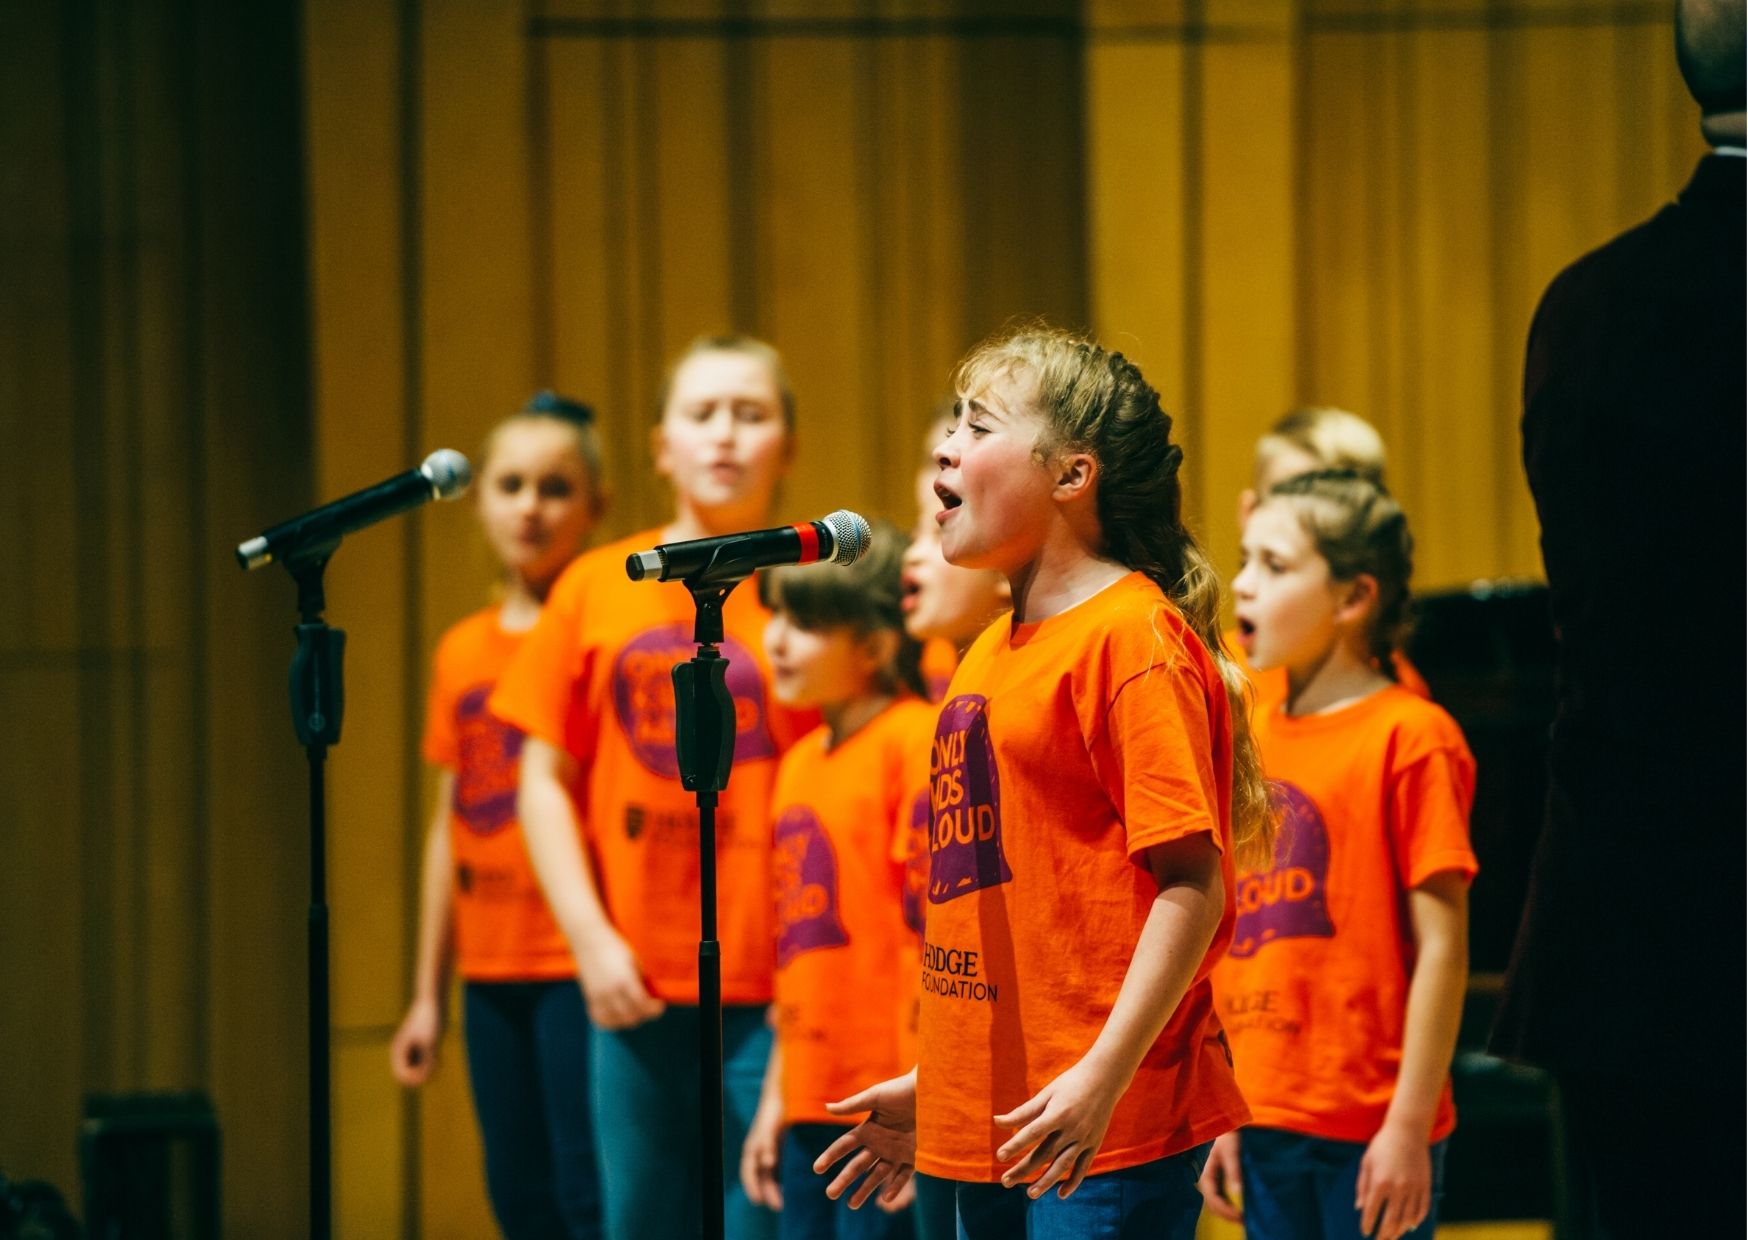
column 1075, row 474
column 880, row 648
column 658, row 451
column 1358, row 599
column 1246, row 505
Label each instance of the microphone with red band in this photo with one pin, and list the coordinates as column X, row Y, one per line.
column 841, row 537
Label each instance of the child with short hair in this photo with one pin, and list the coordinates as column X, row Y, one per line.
column 613, row 834
column 481, row 911
column 836, row 643
column 1306, row 440
column 1092, row 779
column 1344, row 985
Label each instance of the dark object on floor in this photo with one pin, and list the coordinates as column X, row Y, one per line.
column 150, row 1164
column 34, row 1210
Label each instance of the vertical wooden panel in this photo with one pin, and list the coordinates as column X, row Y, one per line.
column 1247, row 337
column 1136, row 186
column 920, row 264
column 1448, row 436
column 814, row 228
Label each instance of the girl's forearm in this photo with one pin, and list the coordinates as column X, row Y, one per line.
column 1174, row 940
column 549, row 826
column 1435, row 1006
column 431, row 961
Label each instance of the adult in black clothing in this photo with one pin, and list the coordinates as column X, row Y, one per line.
column 1627, row 978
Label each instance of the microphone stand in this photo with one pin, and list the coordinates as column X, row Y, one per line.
column 317, row 702
column 704, row 747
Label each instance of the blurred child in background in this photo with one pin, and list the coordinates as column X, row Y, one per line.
column 614, row 834
column 481, row 911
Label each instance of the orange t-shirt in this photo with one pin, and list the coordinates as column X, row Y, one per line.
column 1067, row 748
column 1269, row 688
column 593, row 678
column 840, row 921
column 1374, row 800
column 910, row 850
column 938, row 662
column 503, row 929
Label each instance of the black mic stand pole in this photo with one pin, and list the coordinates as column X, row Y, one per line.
column 317, row 702
column 704, row 747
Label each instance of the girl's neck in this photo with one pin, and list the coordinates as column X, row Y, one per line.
column 695, row 521
column 522, row 602
column 846, row 718
column 1341, row 677
column 1063, row 573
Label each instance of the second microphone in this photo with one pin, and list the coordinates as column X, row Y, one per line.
column 841, row 537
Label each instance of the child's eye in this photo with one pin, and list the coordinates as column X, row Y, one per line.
column 555, row 488
column 978, row 430
column 509, row 484
column 749, row 411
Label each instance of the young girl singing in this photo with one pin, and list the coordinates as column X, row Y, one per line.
column 836, row 644
column 1092, row 772
column 527, row 1034
column 1344, row 985
column 612, row 832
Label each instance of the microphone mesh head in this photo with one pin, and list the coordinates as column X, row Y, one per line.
column 448, row 471
column 850, row 535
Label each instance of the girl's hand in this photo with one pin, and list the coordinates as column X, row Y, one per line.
column 1395, row 1184
column 902, row 1200
column 412, row 1056
column 760, row 1156
column 881, row 1149
column 1221, row 1178
column 613, row 985
column 1062, row 1126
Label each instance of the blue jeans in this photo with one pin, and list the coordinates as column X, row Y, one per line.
column 645, row 1087
column 937, row 1211
column 1303, row 1188
column 1155, row 1201
column 528, row 1063
column 808, row 1214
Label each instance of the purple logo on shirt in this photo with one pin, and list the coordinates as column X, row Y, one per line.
column 807, row 886
column 485, row 775
column 643, row 697
column 965, row 853
column 1287, row 901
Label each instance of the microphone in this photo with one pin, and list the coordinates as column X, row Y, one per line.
column 444, row 475
column 841, row 537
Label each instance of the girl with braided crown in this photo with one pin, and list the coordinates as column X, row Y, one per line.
column 1092, row 779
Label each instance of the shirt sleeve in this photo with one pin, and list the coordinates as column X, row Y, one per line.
column 543, row 691
column 441, row 745
column 1155, row 758
column 1430, row 800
